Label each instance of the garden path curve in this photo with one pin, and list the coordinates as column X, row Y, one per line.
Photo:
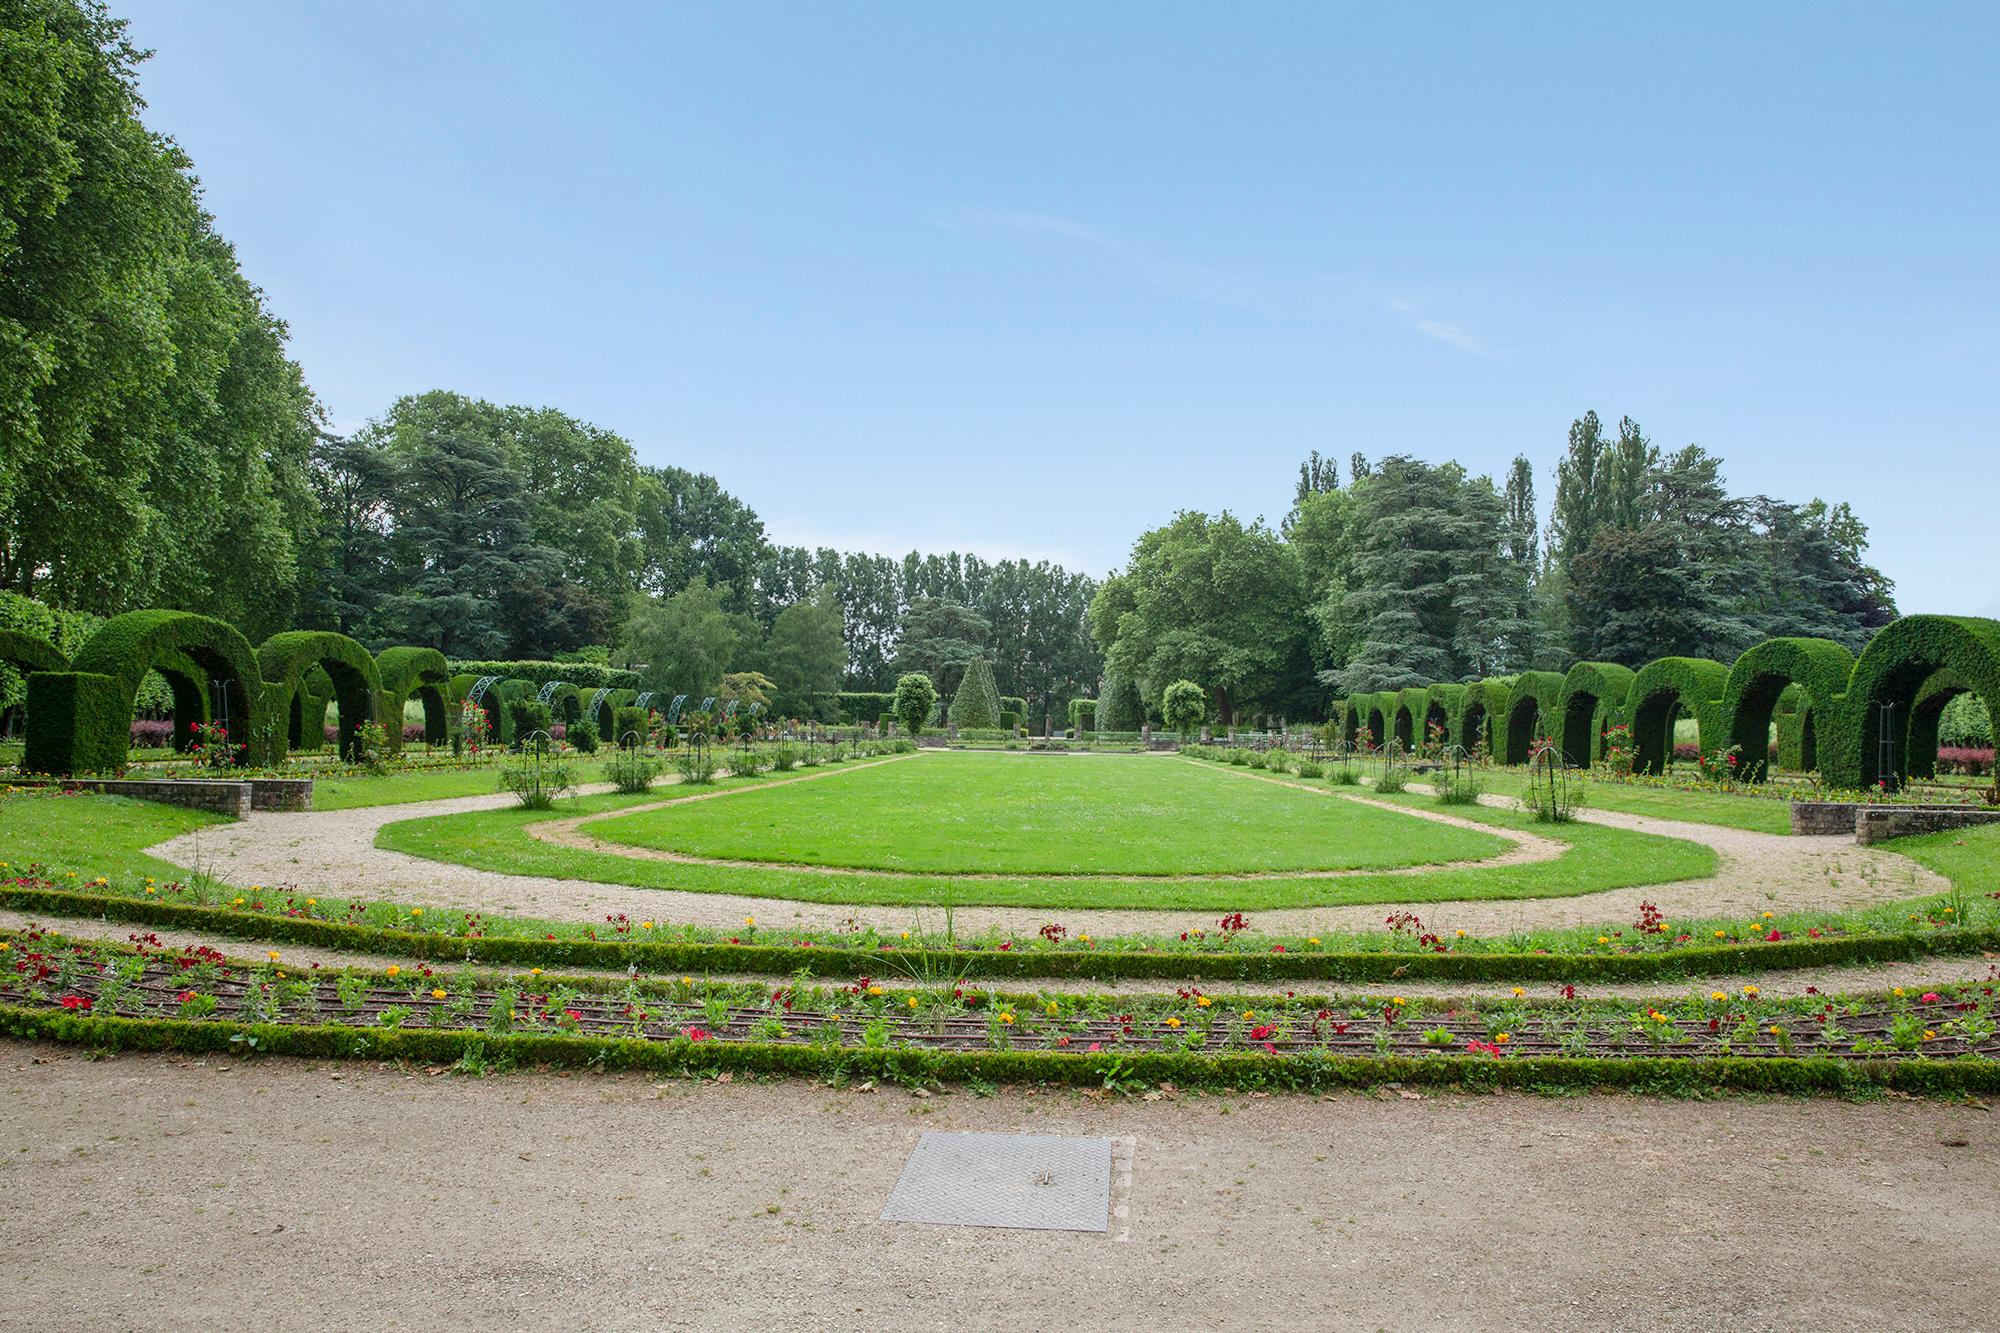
column 332, row 852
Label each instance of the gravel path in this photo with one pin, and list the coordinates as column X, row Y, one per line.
column 364, row 1194
column 333, row 853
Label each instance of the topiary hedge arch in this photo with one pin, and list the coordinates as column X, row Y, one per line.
column 1376, row 712
column 421, row 674
column 1593, row 698
column 1534, row 712
column 1481, row 716
column 1817, row 670
column 1661, row 690
column 1870, row 743
column 1408, row 709
column 1441, row 705
column 85, row 713
column 1920, row 748
column 287, row 660
column 487, row 695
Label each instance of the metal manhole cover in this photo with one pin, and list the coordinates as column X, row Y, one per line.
column 1046, row 1182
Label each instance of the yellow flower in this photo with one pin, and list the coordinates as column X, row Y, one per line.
column 1312, row 939
column 1172, row 1021
column 1249, row 1015
column 272, row 955
column 1722, row 934
column 749, row 920
column 310, row 902
column 416, row 911
column 645, row 925
column 1773, row 1029
column 1083, row 939
column 912, row 1002
column 1397, row 999
column 1053, row 1010
column 534, row 971
column 1898, row 992
column 437, row 993
column 906, row 934
column 237, row 903
column 1750, row 990
column 4, row 946
column 1202, row 1001
column 874, row 990
column 1519, row 991
column 1008, row 1019
column 1461, row 934
column 1502, row 1038
column 151, row 889
column 1929, row 1035
column 1718, row 995
column 1769, row 915
column 1604, row 939
column 687, row 981
column 256, row 888
column 394, row 971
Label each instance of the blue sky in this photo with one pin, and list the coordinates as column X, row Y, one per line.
column 1024, row 280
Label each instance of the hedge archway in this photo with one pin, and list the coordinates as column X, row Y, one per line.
column 1441, row 706
column 563, row 700
column 1481, row 716
column 421, row 674
column 1920, row 751
column 1816, row 670
column 86, row 711
column 1593, row 698
column 29, row 653
column 1664, row 688
column 1871, row 742
column 287, row 659
column 487, row 695
column 1407, row 708
column 1533, row 713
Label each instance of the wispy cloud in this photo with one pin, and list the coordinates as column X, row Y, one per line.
column 1451, row 334
column 1309, row 298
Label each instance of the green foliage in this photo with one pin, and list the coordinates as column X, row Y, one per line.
column 1892, row 670
column 1668, row 686
column 1082, row 715
column 915, row 698
column 582, row 735
column 1814, row 672
column 1592, row 699
column 1183, row 707
column 407, row 673
column 630, row 727
column 696, row 764
column 527, row 715
column 78, row 722
column 583, row 675
column 977, row 703
column 537, row 779
column 286, row 659
column 632, row 770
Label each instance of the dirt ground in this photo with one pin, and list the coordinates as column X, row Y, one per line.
column 168, row 1192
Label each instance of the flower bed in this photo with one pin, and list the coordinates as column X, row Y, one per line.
column 198, row 999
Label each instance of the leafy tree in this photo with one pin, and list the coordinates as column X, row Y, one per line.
column 806, row 657
column 748, row 687
column 1214, row 599
column 976, row 705
column 1121, row 706
column 1183, row 705
column 941, row 639
column 914, row 700
column 680, row 645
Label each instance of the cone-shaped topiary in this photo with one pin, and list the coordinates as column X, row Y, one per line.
column 976, row 706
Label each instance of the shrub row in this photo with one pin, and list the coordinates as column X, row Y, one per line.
column 1312, row 1072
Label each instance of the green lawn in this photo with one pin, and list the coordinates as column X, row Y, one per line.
column 965, row 813
column 88, row 836
column 1968, row 857
column 1598, row 858
column 1760, row 814
column 403, row 788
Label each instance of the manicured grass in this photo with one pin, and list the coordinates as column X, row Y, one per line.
column 964, row 814
column 1759, row 814
column 1598, row 858
column 1968, row 857
column 403, row 788
column 88, row 836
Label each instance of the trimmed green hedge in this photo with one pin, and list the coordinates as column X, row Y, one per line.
column 285, row 660
column 500, row 725
column 1534, row 712
column 1441, row 707
column 1303, row 1072
column 864, row 706
column 78, row 722
column 1482, row 715
column 1893, row 669
column 1592, row 699
column 579, row 674
column 1926, row 712
column 1082, row 715
column 29, row 653
column 1409, row 709
column 415, row 672
column 1819, row 669
column 1695, row 684
column 125, row 648
column 674, row 956
column 976, row 705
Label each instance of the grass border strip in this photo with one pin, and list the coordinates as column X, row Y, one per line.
column 833, row 961
column 1291, row 1073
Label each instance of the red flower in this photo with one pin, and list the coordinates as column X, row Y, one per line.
column 76, row 1002
column 1482, row 1048
column 1930, row 997
column 696, row 1034
column 1262, row 1032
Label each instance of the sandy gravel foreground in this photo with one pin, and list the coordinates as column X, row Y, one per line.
column 150, row 1187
